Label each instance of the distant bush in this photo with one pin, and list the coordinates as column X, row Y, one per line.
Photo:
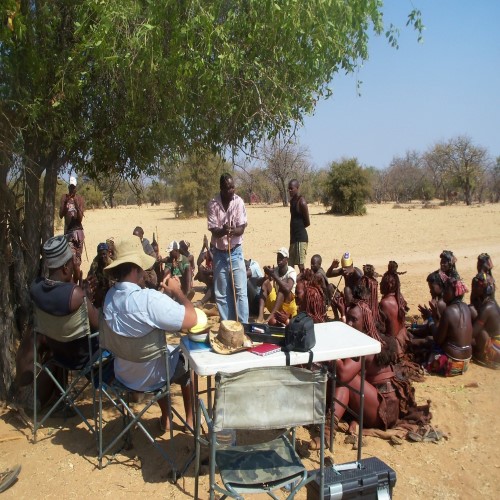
column 430, row 205
column 347, row 188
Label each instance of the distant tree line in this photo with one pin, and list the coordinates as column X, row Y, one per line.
column 452, row 171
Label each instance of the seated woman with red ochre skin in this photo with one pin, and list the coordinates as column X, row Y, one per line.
column 309, row 296
column 387, row 398
column 393, row 307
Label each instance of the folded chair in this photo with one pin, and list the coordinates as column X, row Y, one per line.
column 261, row 399
column 136, row 349
column 74, row 350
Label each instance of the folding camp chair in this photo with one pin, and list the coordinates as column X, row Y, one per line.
column 262, row 399
column 135, row 349
column 64, row 334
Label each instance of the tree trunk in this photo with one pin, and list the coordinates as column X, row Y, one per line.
column 22, row 229
column 8, row 330
column 468, row 194
column 9, row 333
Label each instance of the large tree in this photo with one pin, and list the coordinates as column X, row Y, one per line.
column 195, row 181
column 285, row 161
column 467, row 164
column 118, row 85
column 457, row 164
column 406, row 178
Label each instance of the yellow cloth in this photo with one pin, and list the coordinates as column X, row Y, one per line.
column 289, row 307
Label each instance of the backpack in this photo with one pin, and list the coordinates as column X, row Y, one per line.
column 299, row 335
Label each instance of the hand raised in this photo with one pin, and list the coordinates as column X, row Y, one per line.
column 171, row 284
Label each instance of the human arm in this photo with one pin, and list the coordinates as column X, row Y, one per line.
column 304, row 211
column 79, row 207
column 440, row 331
column 338, row 301
column 487, row 320
column 187, row 274
column 77, row 298
column 347, row 369
column 172, row 287
column 201, row 258
column 63, row 207
column 333, row 271
column 228, row 230
column 284, row 286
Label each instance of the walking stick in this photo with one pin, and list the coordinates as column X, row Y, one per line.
column 232, row 276
column 85, row 247
column 337, row 287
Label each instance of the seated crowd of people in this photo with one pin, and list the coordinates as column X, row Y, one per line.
column 139, row 289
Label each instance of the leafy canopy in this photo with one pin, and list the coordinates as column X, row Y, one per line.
column 126, row 82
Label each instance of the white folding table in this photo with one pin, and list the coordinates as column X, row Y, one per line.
column 334, row 340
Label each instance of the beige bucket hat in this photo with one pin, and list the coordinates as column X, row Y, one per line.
column 129, row 250
column 229, row 338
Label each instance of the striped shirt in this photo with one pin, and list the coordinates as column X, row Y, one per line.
column 235, row 216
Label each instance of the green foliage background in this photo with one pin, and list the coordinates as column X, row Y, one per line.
column 347, row 188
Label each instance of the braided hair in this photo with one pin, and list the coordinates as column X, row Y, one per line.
column 371, row 284
column 448, row 256
column 481, row 280
column 388, row 354
column 369, row 326
column 391, row 280
column 435, row 278
column 484, row 263
column 314, row 299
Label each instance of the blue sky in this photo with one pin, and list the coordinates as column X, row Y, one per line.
column 418, row 95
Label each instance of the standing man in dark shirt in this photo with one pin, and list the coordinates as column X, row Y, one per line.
column 299, row 220
column 72, row 208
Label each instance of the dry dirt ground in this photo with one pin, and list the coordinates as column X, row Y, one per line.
column 466, row 465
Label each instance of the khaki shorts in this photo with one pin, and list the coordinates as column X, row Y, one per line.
column 298, row 252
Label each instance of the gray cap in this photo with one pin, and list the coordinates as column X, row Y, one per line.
column 173, row 245
column 57, row 251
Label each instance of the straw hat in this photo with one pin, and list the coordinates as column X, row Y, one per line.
column 129, row 250
column 229, row 338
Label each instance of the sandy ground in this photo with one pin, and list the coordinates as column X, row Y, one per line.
column 466, row 465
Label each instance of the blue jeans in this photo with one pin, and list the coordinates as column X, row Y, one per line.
column 223, row 284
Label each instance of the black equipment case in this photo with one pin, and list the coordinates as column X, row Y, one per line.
column 369, row 478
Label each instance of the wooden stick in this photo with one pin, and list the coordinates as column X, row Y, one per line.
column 232, row 276
column 4, row 439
